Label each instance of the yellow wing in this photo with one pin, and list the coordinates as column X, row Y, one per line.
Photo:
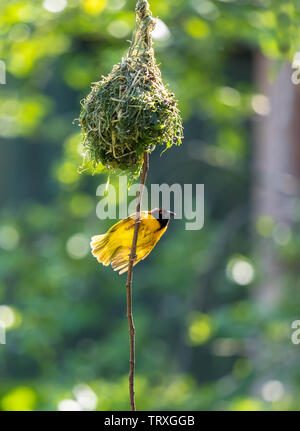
column 114, row 247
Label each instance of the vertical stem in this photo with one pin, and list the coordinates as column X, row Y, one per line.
column 132, row 258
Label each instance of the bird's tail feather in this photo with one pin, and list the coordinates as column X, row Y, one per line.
column 120, row 260
column 98, row 244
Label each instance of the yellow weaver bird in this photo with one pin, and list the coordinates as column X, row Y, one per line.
column 114, row 246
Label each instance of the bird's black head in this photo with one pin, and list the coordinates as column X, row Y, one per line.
column 163, row 216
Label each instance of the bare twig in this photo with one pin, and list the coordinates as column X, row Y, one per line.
column 132, row 258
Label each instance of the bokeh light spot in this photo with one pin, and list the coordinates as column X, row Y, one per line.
column 197, row 28
column 94, row 7
column 225, row 347
column 282, row 234
column 55, row 6
column 68, row 405
column 242, row 368
column 118, row 29
column 229, row 96
column 81, row 205
column 19, row 399
column 206, row 8
column 86, row 397
column 19, row 33
column 67, row 172
column 246, row 404
column 261, row 104
column 9, row 237
column 7, row 316
column 200, row 329
column 240, row 270
column 78, row 246
column 161, row 31
column 116, row 4
column 264, row 225
column 272, row 391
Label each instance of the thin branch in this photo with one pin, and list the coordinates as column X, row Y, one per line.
column 132, row 258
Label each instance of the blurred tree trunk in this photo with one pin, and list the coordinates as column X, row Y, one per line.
column 276, row 168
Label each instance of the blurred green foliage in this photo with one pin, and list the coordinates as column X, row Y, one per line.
column 198, row 325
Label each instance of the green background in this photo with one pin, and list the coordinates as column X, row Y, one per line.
column 203, row 339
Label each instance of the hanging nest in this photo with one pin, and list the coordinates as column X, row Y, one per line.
column 130, row 111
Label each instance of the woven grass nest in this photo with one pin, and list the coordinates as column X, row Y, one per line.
column 130, row 111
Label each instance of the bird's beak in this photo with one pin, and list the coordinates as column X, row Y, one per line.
column 172, row 214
